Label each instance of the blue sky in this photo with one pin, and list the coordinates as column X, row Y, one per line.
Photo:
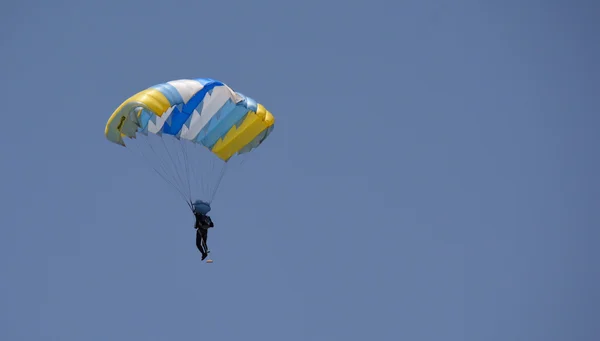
column 432, row 174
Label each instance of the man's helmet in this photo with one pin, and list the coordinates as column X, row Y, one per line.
column 201, row 207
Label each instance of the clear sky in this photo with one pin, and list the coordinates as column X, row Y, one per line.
column 433, row 173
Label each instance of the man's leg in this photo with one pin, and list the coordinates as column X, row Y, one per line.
column 201, row 244
column 204, row 235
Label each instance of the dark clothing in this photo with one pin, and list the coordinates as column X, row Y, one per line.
column 201, row 236
column 203, row 223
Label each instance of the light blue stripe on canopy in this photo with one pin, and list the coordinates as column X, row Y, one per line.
column 170, row 93
column 219, row 126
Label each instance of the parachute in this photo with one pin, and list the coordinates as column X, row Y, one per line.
column 189, row 130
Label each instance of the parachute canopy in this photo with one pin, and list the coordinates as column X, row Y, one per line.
column 203, row 111
column 188, row 130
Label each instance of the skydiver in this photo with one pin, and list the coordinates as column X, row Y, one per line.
column 202, row 224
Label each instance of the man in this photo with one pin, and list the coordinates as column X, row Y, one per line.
column 203, row 223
